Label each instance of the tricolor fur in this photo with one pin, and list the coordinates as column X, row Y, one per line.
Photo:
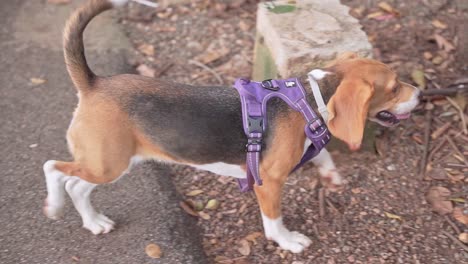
column 123, row 119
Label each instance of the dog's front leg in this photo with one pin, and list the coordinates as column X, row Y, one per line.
column 269, row 199
column 330, row 177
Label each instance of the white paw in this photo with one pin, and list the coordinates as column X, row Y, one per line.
column 292, row 241
column 98, row 224
column 52, row 211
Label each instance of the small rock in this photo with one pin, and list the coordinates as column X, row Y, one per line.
column 391, row 167
column 153, row 251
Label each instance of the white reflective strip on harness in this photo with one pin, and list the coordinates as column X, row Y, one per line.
column 322, row 107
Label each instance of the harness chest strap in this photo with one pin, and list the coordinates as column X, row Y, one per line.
column 254, row 97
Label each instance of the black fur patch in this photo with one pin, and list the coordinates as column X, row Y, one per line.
column 199, row 124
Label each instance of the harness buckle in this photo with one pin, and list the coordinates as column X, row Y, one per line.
column 316, row 126
column 268, row 84
column 255, row 124
column 253, row 145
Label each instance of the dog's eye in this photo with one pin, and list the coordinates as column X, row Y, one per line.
column 395, row 88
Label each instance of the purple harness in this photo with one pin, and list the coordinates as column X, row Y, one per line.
column 254, row 97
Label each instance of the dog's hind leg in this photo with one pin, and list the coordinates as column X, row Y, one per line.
column 55, row 181
column 80, row 191
column 70, row 176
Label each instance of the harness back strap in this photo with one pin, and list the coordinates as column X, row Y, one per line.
column 254, row 97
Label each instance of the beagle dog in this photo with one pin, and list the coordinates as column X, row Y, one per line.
column 123, row 119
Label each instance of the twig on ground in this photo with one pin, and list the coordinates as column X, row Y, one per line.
column 455, row 166
column 427, row 138
column 164, row 69
column 453, row 225
column 321, row 197
column 462, row 80
column 455, row 148
column 462, row 115
column 201, row 65
column 435, row 149
column 458, row 194
column 454, row 239
column 331, row 206
column 317, row 234
column 439, row 131
column 444, row 92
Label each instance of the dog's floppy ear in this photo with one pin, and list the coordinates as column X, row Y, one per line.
column 348, row 109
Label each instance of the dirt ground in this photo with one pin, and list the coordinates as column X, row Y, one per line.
column 383, row 215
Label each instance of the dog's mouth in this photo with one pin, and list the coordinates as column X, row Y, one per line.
column 388, row 119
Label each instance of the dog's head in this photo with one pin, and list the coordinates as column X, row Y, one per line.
column 368, row 90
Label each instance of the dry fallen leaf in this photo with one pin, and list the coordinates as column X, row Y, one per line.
column 437, row 197
column 393, row 216
column 440, row 130
column 437, row 60
column 252, row 237
column 444, row 44
column 461, row 101
column 146, row 49
column 212, row 204
column 458, row 200
column 244, row 26
column 211, row 56
column 221, row 259
column 244, row 247
column 460, row 216
column 58, row 2
column 463, row 237
column 188, row 209
column 388, row 8
column 37, row 81
column 436, row 173
column 145, row 70
column 438, row 24
column 358, row 11
column 427, row 55
column 194, row 193
column 418, row 78
column 375, row 14
column 417, row 137
column 153, row 251
column 204, row 215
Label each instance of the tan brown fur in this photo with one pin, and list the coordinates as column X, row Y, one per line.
column 110, row 125
column 278, row 162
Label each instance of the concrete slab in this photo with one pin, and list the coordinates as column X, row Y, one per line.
column 295, row 38
column 305, row 35
column 34, row 119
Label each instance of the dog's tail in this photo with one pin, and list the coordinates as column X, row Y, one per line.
column 75, row 59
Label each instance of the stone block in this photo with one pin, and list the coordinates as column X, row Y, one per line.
column 293, row 39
